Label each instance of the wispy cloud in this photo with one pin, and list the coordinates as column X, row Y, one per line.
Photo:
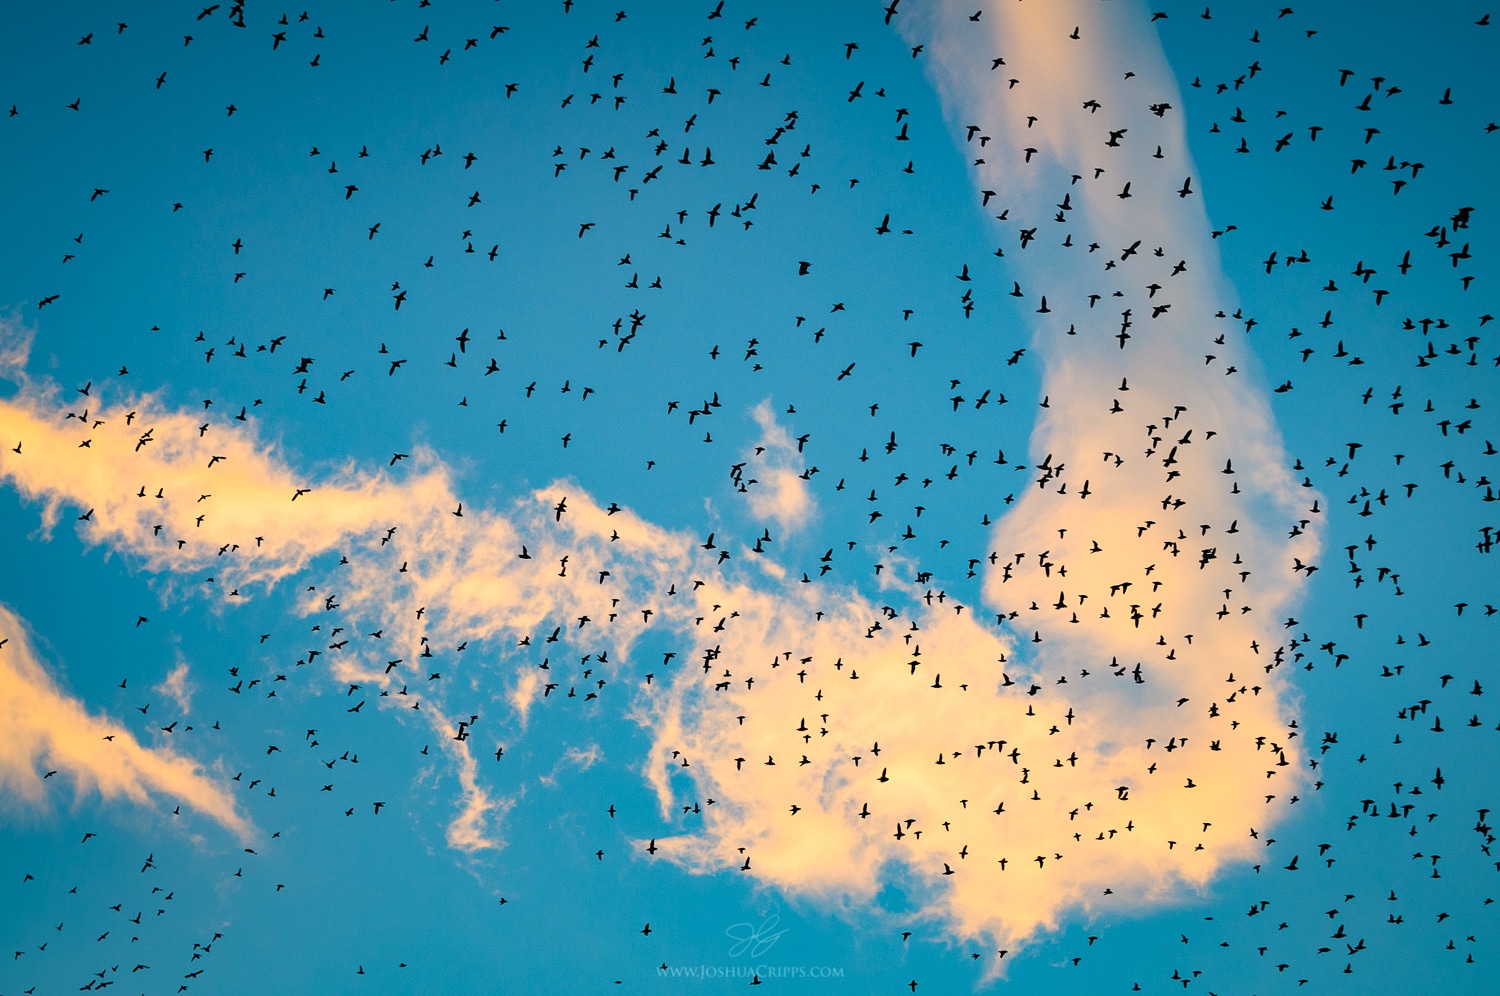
column 178, row 686
column 471, row 831
column 579, row 758
column 523, row 695
column 15, row 347
column 773, row 477
column 43, row 731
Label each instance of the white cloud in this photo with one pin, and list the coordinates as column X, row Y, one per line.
column 15, row 347
column 178, row 686
column 773, row 478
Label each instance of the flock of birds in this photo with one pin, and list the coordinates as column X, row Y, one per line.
column 1008, row 704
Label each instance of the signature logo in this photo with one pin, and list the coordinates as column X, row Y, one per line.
column 752, row 939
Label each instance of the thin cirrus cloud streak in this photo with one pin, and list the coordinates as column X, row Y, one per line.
column 43, row 729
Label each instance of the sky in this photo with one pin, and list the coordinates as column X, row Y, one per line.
column 938, row 497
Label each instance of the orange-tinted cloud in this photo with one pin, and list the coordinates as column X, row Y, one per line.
column 1143, row 575
column 45, row 731
column 219, row 509
column 1152, row 544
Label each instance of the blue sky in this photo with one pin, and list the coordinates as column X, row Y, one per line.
column 794, row 344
